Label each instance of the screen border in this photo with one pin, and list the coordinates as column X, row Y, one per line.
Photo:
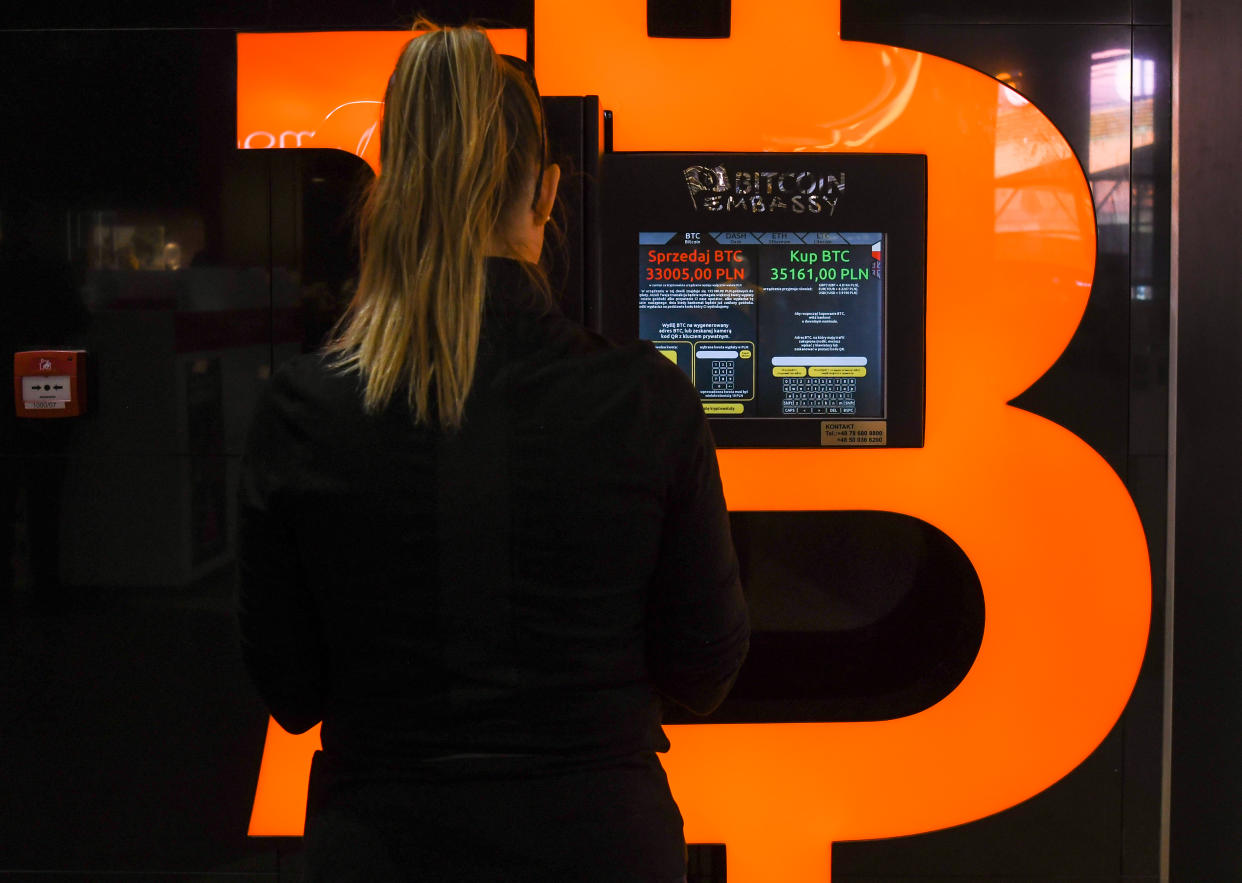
column 883, row 192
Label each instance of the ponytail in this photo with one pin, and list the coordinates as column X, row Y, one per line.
column 460, row 138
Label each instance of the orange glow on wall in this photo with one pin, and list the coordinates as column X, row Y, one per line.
column 324, row 89
column 1048, row 526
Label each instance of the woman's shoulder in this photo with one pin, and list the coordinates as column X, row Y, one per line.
column 313, row 371
column 312, row 386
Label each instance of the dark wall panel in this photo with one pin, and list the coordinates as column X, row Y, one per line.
column 1207, row 685
column 130, row 740
column 130, row 228
column 280, row 15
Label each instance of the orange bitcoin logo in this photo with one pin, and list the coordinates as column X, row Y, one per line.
column 1048, row 526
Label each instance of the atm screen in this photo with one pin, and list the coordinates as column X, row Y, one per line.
column 769, row 324
column 790, row 288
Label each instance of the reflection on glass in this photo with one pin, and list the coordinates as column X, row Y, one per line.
column 1025, row 201
column 1110, row 110
column 115, row 240
column 1121, row 106
column 1143, row 130
column 1022, row 141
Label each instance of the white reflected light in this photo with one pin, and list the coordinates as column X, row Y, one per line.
column 1013, row 97
column 1144, row 77
column 1109, row 145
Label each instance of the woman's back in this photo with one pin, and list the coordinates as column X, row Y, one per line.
column 480, row 544
column 521, row 585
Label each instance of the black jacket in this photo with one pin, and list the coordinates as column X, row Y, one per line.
column 522, row 591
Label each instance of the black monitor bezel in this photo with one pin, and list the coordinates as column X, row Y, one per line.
column 884, row 192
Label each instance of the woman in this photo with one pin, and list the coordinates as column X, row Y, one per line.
column 479, row 543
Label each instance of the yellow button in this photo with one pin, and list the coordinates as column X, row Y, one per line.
column 722, row 407
column 789, row 371
column 745, row 354
column 835, row 371
column 671, row 355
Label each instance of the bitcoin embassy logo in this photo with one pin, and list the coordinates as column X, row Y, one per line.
column 714, row 189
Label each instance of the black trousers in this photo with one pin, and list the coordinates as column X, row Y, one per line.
column 617, row 824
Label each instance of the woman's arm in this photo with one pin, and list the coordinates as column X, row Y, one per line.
column 281, row 637
column 698, row 629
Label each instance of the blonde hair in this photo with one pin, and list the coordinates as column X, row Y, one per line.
column 460, row 141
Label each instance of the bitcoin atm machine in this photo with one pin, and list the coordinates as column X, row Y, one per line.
column 859, row 255
column 791, row 290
